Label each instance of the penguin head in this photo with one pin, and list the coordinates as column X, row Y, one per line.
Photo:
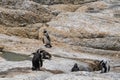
column 75, row 65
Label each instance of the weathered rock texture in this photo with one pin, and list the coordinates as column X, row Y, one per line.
column 28, row 32
column 23, row 12
column 88, row 28
column 83, row 34
column 51, row 2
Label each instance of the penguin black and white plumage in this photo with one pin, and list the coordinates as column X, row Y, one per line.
column 44, row 54
column 105, row 67
column 75, row 68
column 37, row 61
column 46, row 39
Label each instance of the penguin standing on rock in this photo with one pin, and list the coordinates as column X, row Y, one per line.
column 46, row 39
column 37, row 61
column 105, row 67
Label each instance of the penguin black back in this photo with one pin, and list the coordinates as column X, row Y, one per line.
column 75, row 68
